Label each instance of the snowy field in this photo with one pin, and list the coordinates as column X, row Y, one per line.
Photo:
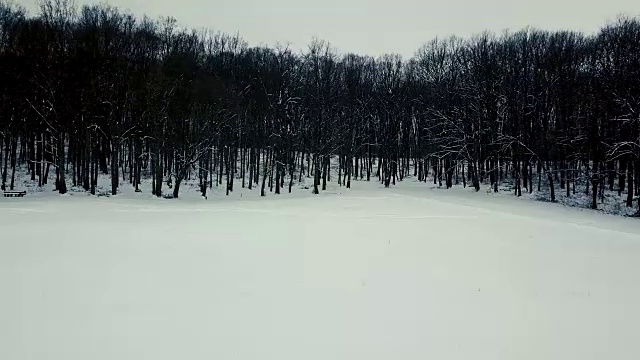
column 367, row 273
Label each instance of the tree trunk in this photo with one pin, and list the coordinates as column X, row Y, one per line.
column 622, row 176
column 518, row 180
column 61, row 181
column 32, row 158
column 94, row 171
column 563, row 178
column 464, row 178
column 115, row 147
column 292, row 171
column 75, row 166
column 611, row 173
column 301, row 167
column 348, row 170
column 552, row 188
column 6, row 163
column 355, row 174
column 594, row 183
column 449, row 174
column 369, row 167
column 272, row 165
column 316, row 174
column 40, row 158
column 251, row 161
column 233, row 161
column 525, row 174
column 264, row 174
column 630, row 184
column 86, row 164
column 159, row 172
column 3, row 160
column 242, row 165
column 257, row 166
column 325, row 165
column 103, row 158
column 176, row 187
column 278, row 177
column 394, row 170
column 13, row 162
column 227, row 161
column 476, row 183
column 341, row 164
column 568, row 179
column 539, row 175
column 587, row 178
column 138, row 176
column 530, row 177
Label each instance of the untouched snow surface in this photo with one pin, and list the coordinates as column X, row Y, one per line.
column 404, row 273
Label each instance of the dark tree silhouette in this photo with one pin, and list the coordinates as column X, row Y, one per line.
column 96, row 91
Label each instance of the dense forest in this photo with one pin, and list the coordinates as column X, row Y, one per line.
column 94, row 90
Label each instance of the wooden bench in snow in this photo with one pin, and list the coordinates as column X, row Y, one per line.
column 14, row 193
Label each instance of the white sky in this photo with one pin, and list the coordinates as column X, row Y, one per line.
column 377, row 26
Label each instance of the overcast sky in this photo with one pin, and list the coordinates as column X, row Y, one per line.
column 377, row 26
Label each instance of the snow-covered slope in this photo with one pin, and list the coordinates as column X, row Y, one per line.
column 404, row 273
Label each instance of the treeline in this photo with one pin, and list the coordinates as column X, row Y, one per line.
column 96, row 90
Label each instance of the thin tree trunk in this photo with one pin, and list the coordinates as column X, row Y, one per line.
column 13, row 163
column 594, row 183
column 341, row 164
column 292, row 170
column 622, row 176
column 348, row 170
column 325, row 164
column 251, row 161
column 115, row 148
column 6, row 163
column 94, row 170
column 61, row 182
column 630, row 184
column 264, row 174
column 316, row 174
column 278, row 177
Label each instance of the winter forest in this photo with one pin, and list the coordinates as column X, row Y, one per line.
column 95, row 91
column 176, row 193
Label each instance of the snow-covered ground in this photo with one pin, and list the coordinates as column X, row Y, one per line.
column 367, row 273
